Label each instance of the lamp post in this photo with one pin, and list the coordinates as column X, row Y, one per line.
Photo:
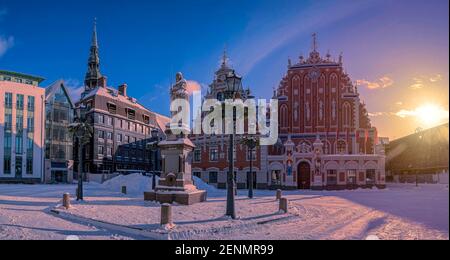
column 251, row 143
column 419, row 141
column 83, row 131
column 153, row 147
column 233, row 85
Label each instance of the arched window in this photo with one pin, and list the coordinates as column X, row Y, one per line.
column 284, row 116
column 334, row 81
column 295, row 82
column 346, row 114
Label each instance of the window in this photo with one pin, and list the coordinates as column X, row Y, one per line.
column 101, row 119
column 7, row 143
column 109, row 152
column 146, row 119
column 370, row 176
column 213, row 177
column 119, row 138
column 213, row 154
column 30, row 123
column 251, row 155
column 8, row 122
column 131, row 113
column 19, row 102
column 332, row 177
column 101, row 150
column 276, row 178
column 351, row 177
column 101, row 134
column 109, row 135
column 30, row 143
column 8, row 100
column 341, row 147
column 30, row 104
column 112, row 108
column 7, row 164
column 30, row 165
column 197, row 174
column 197, row 155
column 19, row 144
column 19, row 122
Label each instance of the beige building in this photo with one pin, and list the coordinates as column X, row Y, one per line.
column 21, row 128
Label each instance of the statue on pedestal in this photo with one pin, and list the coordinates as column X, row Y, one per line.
column 176, row 184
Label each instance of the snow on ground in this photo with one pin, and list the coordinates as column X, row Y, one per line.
column 399, row 212
column 136, row 183
column 24, row 214
column 211, row 190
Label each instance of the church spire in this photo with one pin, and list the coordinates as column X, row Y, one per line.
column 225, row 58
column 94, row 34
column 93, row 75
column 314, row 43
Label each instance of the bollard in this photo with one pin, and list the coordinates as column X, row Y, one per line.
column 166, row 214
column 284, row 205
column 279, row 194
column 66, row 200
column 124, row 189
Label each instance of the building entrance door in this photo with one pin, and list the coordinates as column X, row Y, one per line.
column 304, row 176
column 18, row 167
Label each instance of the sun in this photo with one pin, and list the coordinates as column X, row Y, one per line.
column 431, row 115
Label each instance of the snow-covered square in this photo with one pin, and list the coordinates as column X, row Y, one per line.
column 401, row 211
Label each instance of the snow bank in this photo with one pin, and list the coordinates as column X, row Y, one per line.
column 136, row 183
column 211, row 190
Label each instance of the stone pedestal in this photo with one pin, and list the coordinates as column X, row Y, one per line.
column 175, row 184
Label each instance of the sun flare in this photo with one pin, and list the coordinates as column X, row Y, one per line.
column 431, row 115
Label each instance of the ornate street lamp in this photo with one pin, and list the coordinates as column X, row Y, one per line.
column 83, row 132
column 251, row 143
column 153, row 147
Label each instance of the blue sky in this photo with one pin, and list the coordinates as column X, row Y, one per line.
column 389, row 46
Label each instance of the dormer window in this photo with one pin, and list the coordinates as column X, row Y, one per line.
column 112, row 108
column 146, row 119
column 131, row 114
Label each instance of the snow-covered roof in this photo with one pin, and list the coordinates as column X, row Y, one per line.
column 113, row 94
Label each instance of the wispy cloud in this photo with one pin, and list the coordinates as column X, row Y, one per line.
column 383, row 82
column 6, row 43
column 377, row 114
column 425, row 81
